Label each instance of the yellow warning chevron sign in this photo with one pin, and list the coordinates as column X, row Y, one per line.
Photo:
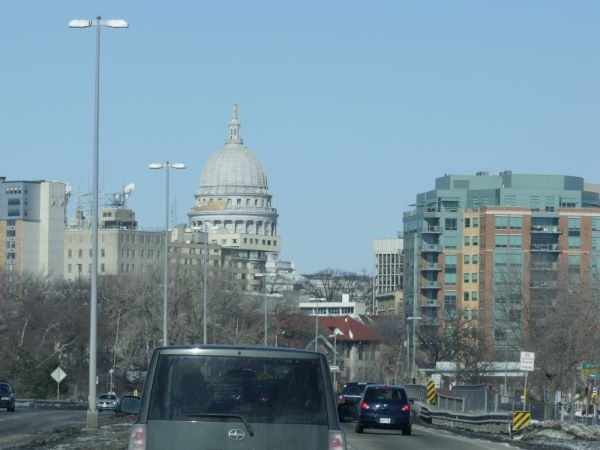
column 431, row 395
column 521, row 419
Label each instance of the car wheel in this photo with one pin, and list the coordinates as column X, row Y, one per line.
column 359, row 428
column 11, row 408
column 341, row 415
column 407, row 431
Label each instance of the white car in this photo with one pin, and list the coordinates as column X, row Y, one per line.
column 108, row 401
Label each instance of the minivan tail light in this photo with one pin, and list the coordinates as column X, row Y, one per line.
column 336, row 440
column 364, row 405
column 137, row 438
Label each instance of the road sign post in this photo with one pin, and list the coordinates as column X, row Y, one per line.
column 58, row 375
column 527, row 363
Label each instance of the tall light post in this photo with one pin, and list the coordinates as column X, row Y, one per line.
column 264, row 292
column 205, row 341
column 414, row 344
column 335, row 334
column 98, row 22
column 166, row 165
column 317, row 328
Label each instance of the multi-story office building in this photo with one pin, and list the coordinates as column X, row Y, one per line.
column 32, row 221
column 480, row 247
column 122, row 247
column 387, row 276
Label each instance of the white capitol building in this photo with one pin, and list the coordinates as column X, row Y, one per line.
column 233, row 193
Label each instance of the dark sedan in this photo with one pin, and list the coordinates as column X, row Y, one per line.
column 7, row 396
column 384, row 406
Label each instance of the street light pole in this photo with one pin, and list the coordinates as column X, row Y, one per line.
column 264, row 293
column 166, row 165
column 317, row 328
column 414, row 344
column 92, row 413
column 205, row 281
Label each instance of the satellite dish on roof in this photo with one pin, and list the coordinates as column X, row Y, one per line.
column 119, row 199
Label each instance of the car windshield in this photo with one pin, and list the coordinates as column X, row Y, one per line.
column 4, row 389
column 386, row 394
column 354, row 389
column 108, row 397
column 267, row 390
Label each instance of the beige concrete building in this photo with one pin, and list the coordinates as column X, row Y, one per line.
column 32, row 220
column 388, row 275
column 122, row 248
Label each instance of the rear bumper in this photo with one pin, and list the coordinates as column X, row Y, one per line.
column 375, row 421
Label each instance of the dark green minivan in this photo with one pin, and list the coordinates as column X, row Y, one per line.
column 215, row 397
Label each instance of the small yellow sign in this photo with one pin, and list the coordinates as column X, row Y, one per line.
column 431, row 393
column 521, row 419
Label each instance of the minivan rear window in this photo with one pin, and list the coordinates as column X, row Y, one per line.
column 262, row 390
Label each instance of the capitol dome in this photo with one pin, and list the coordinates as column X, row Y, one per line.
column 233, row 192
column 233, row 168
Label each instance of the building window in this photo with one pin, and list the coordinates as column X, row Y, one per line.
column 450, row 278
column 467, row 241
column 80, row 253
column 466, row 277
column 474, row 277
column 595, row 223
column 475, row 222
column 450, row 242
column 501, row 222
column 501, row 241
column 69, row 268
column 475, row 258
column 516, row 222
column 475, row 240
column 451, row 224
column 467, row 222
column 466, row 259
column 474, row 295
column 516, row 241
column 574, row 223
column 466, row 296
column 574, row 263
column 70, row 253
column 102, row 267
column 574, row 242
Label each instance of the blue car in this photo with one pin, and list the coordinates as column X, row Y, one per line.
column 384, row 406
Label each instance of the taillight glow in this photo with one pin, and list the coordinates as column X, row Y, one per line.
column 336, row 440
column 364, row 405
column 406, row 408
column 342, row 400
column 137, row 438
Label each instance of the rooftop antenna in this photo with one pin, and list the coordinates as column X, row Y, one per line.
column 119, row 199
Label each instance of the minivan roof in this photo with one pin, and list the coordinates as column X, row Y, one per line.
column 237, row 347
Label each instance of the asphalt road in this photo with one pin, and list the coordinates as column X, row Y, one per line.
column 20, row 426
column 23, row 428
column 421, row 438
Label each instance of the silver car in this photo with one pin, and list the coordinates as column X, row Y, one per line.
column 107, row 402
column 235, row 397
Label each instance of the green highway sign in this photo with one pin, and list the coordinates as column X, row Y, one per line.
column 589, row 366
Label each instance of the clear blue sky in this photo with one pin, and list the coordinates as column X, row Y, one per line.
column 353, row 107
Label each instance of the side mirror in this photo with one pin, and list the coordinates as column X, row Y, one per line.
column 129, row 404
